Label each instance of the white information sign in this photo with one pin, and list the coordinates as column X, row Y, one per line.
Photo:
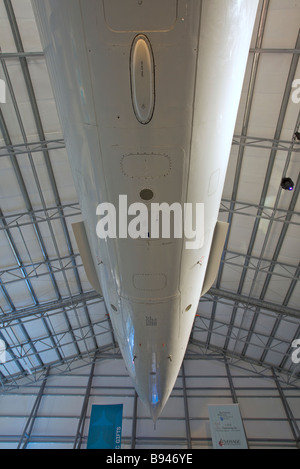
column 226, row 427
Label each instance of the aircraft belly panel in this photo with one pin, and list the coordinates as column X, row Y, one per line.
column 157, row 129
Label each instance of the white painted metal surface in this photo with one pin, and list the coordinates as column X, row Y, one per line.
column 151, row 286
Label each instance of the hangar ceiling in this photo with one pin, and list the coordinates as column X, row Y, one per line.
column 49, row 314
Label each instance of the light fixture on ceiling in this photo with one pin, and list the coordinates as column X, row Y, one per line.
column 287, row 184
column 297, row 136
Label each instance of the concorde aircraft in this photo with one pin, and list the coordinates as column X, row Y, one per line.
column 147, row 93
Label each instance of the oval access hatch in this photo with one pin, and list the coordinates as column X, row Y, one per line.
column 142, row 79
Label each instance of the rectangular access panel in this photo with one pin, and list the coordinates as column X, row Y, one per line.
column 140, row 15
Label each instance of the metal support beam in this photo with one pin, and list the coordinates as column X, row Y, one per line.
column 81, row 423
column 134, row 421
column 266, row 143
column 29, row 147
column 291, row 419
column 232, row 389
column 36, row 114
column 230, row 380
column 44, row 308
column 13, row 55
column 25, row 438
column 274, row 214
column 264, row 50
column 253, row 302
column 272, row 266
column 47, row 214
column 186, row 409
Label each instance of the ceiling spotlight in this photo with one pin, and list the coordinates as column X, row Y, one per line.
column 297, row 135
column 287, row 184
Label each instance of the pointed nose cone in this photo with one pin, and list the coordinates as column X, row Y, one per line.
column 154, row 389
column 153, row 348
column 154, row 408
column 155, row 412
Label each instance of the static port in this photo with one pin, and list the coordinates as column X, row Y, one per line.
column 146, row 194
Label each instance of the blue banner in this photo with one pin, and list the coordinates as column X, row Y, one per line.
column 105, row 430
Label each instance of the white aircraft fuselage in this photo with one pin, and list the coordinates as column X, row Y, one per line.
column 147, row 93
